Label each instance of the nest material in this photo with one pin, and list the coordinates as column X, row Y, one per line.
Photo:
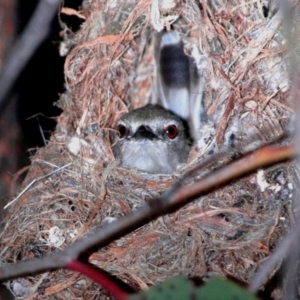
column 109, row 71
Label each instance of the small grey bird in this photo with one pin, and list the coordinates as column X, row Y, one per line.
column 152, row 139
column 157, row 139
column 180, row 80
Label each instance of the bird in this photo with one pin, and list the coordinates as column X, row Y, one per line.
column 180, row 81
column 157, row 138
column 152, row 139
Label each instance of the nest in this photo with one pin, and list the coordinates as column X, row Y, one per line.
column 79, row 187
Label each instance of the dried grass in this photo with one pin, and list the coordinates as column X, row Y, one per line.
column 108, row 72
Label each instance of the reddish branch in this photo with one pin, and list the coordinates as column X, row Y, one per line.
column 98, row 277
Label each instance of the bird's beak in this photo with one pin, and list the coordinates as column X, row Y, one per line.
column 144, row 132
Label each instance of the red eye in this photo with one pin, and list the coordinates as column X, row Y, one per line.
column 122, row 131
column 172, row 131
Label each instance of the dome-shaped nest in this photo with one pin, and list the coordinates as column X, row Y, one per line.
column 78, row 185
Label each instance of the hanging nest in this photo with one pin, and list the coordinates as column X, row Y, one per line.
column 78, row 186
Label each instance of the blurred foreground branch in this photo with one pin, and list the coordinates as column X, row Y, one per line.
column 33, row 35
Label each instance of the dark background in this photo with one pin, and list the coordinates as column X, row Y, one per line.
column 41, row 82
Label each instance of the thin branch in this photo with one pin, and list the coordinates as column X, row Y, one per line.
column 33, row 35
column 281, row 252
column 34, row 181
column 96, row 276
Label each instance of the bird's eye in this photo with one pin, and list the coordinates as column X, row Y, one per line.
column 172, row 131
column 122, row 131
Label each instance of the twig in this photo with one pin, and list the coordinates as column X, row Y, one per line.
column 41, row 131
column 32, row 36
column 98, row 277
column 34, row 181
column 224, row 120
column 278, row 255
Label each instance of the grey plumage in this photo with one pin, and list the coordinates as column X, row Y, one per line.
column 144, row 143
column 180, row 80
column 157, row 139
